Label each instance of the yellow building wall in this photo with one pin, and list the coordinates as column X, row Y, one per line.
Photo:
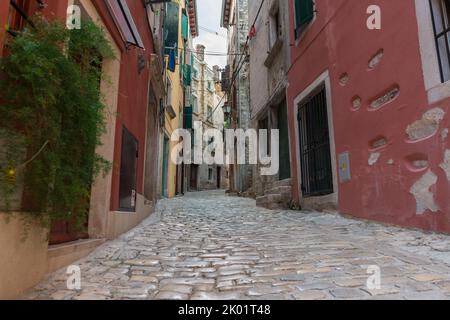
column 177, row 102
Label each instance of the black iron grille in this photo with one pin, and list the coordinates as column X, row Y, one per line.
column 315, row 156
column 441, row 24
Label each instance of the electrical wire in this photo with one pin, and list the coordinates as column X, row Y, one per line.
column 208, row 53
column 212, row 32
column 241, row 61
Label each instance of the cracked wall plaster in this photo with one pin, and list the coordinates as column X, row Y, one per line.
column 421, row 192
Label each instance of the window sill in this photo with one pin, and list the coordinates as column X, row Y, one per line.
column 439, row 92
column 272, row 54
column 171, row 112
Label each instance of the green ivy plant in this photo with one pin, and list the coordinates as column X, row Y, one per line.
column 52, row 118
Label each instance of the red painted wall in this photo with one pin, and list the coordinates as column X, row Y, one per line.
column 133, row 86
column 133, row 93
column 56, row 9
column 339, row 41
column 4, row 5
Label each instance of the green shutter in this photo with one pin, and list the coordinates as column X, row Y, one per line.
column 304, row 13
column 171, row 27
column 187, row 75
column 188, row 118
column 185, row 26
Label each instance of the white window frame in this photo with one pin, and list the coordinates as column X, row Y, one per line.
column 195, row 105
column 275, row 27
column 311, row 202
column 436, row 90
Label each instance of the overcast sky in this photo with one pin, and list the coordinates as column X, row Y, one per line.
column 209, row 17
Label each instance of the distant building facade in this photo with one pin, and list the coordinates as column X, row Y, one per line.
column 207, row 103
column 269, row 49
column 127, row 194
column 237, row 85
column 180, row 27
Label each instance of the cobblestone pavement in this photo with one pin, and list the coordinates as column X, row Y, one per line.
column 210, row 246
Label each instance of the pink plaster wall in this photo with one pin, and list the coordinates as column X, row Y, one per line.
column 339, row 41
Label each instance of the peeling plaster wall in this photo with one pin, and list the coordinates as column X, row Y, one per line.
column 425, row 198
column 446, row 164
column 427, row 126
column 397, row 140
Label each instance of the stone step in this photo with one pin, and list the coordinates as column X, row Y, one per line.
column 277, row 195
column 270, row 198
column 278, row 206
column 281, row 183
column 283, row 190
column 272, row 205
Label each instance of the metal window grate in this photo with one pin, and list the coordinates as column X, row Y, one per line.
column 440, row 10
column 315, row 155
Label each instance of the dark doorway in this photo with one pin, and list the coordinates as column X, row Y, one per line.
column 219, row 177
column 314, row 136
column 165, row 167
column 285, row 161
column 263, row 124
column 176, row 180
column 194, row 175
column 128, row 171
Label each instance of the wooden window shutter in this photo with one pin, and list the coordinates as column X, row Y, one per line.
column 304, row 13
column 125, row 23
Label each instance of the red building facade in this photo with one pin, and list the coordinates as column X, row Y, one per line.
column 119, row 201
column 131, row 91
column 368, row 109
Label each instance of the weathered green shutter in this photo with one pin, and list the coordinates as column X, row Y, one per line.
column 171, row 27
column 188, row 117
column 304, row 13
column 187, row 75
column 185, row 26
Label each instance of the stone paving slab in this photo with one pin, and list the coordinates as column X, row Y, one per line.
column 207, row 245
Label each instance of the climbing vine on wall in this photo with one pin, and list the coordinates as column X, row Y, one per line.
column 52, row 117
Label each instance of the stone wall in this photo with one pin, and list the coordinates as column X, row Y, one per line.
column 269, row 61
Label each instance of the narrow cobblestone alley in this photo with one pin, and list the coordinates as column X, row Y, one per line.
column 210, row 246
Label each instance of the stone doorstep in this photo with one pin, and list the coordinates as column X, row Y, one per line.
column 270, row 200
column 277, row 206
column 283, row 190
column 275, row 199
column 280, row 183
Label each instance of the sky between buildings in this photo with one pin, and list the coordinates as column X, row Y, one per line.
column 209, row 17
